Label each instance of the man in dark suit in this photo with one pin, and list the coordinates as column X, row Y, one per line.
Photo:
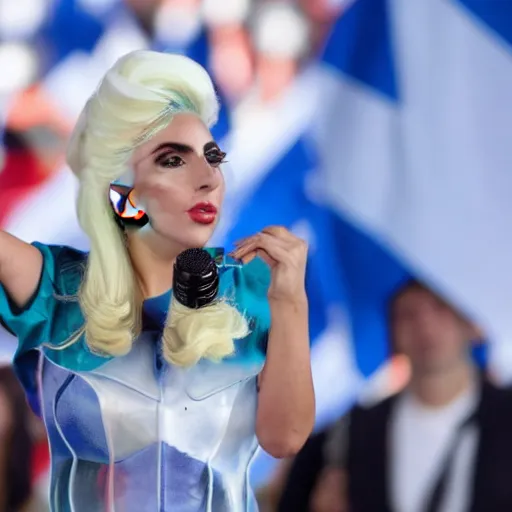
column 443, row 444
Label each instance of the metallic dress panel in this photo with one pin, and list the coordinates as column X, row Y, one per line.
column 133, row 433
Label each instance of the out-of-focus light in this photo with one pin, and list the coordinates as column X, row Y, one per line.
column 280, row 30
column 225, row 12
column 177, row 24
column 19, row 63
column 20, row 19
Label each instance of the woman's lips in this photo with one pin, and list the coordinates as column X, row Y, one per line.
column 203, row 213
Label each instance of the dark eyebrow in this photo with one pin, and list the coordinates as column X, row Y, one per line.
column 175, row 146
column 185, row 148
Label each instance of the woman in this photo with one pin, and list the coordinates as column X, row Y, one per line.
column 141, row 415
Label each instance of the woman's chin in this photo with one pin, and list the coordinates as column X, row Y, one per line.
column 190, row 237
column 190, row 242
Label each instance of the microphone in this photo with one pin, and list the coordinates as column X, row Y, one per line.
column 195, row 279
column 200, row 325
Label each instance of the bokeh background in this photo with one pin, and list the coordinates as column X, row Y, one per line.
column 378, row 130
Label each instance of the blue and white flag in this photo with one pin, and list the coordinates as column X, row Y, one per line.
column 414, row 152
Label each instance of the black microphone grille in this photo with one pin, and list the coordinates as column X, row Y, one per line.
column 195, row 261
column 196, row 279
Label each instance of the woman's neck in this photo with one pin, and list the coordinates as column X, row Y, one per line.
column 153, row 261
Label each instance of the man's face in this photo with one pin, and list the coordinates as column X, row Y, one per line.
column 429, row 332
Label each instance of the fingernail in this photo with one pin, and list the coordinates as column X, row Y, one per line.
column 248, row 258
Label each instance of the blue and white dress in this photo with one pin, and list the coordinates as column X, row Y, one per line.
column 133, row 433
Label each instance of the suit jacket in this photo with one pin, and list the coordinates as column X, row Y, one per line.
column 368, row 454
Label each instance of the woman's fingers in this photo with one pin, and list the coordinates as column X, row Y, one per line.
column 275, row 248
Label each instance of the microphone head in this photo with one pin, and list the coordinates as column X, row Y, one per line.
column 195, row 279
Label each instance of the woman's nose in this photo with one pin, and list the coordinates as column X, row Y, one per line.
column 207, row 178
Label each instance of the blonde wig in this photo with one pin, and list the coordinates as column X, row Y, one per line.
column 137, row 97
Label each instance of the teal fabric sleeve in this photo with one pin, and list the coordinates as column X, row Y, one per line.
column 53, row 314
column 32, row 324
column 50, row 316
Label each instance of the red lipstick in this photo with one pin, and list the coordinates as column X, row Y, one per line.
column 203, row 213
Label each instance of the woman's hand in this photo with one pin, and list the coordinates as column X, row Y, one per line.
column 286, row 399
column 286, row 256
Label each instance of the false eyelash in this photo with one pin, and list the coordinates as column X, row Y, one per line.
column 219, row 158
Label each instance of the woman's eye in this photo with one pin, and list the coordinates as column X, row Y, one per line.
column 215, row 158
column 172, row 161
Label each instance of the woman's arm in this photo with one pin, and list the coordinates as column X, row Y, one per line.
column 20, row 268
column 286, row 402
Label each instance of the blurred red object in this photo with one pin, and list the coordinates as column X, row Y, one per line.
column 33, row 107
column 23, row 173
column 40, row 460
column 34, row 143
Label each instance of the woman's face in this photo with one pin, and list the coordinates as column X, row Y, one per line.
column 178, row 182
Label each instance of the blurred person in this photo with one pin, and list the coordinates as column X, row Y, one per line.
column 442, row 444
column 151, row 403
column 232, row 61
column 17, row 489
column 176, row 24
column 322, row 14
column 277, row 58
column 145, row 12
column 276, row 109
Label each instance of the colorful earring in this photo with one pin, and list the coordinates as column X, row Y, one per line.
column 124, row 206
